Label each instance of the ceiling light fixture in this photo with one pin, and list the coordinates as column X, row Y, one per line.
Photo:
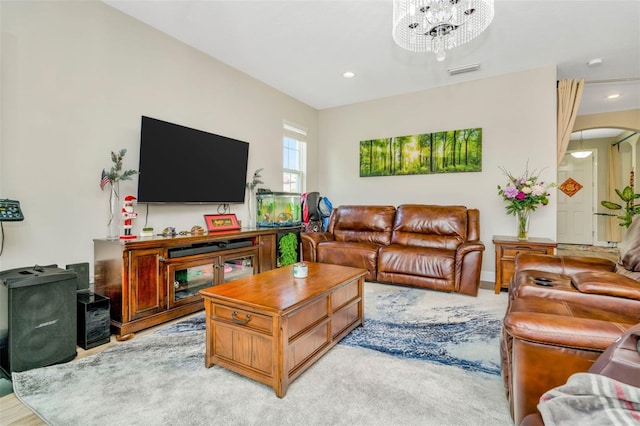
column 613, row 96
column 439, row 25
column 582, row 153
column 348, row 74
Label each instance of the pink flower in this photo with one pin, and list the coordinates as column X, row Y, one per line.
column 524, row 192
column 511, row 191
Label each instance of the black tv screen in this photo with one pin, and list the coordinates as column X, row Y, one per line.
column 183, row 165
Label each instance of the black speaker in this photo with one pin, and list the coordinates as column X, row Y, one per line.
column 82, row 269
column 42, row 317
column 94, row 319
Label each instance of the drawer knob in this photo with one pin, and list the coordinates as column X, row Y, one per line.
column 234, row 318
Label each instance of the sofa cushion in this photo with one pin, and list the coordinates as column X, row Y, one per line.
column 358, row 255
column 442, row 227
column 427, row 262
column 370, row 224
column 607, row 283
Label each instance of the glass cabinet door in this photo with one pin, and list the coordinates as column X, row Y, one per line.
column 187, row 279
column 238, row 266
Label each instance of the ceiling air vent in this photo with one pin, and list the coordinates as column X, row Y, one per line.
column 463, row 69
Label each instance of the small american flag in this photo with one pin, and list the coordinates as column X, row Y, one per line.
column 104, row 179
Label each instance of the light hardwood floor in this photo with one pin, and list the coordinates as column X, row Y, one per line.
column 15, row 413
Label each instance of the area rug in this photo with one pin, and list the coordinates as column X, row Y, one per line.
column 160, row 378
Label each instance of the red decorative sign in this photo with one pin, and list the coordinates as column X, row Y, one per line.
column 570, row 187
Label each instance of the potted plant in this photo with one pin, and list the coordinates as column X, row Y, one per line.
column 288, row 248
column 628, row 211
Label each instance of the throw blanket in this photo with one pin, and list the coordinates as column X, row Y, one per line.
column 591, row 399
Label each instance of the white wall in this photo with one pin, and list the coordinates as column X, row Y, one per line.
column 76, row 77
column 517, row 113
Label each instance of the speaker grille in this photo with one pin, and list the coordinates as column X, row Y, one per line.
column 42, row 322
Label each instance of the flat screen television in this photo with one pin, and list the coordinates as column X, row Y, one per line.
column 183, row 165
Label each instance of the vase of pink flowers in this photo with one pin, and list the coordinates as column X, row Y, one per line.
column 523, row 195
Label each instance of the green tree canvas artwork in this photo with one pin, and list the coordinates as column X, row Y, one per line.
column 452, row 151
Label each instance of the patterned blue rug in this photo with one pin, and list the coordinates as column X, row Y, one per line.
column 160, row 377
column 444, row 328
column 429, row 341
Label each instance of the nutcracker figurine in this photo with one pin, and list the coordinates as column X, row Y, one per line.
column 128, row 214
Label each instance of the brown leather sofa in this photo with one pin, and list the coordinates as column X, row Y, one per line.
column 563, row 312
column 429, row 246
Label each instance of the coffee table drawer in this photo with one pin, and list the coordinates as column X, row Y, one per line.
column 244, row 318
column 307, row 316
column 307, row 345
column 344, row 295
column 344, row 318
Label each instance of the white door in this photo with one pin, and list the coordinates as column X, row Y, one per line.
column 575, row 212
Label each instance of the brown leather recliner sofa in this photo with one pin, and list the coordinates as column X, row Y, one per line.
column 604, row 395
column 429, row 246
column 563, row 312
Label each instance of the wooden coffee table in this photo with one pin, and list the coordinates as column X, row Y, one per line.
column 271, row 327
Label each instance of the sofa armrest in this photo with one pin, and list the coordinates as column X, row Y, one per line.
column 606, row 283
column 310, row 243
column 468, row 247
column 562, row 265
column 468, row 267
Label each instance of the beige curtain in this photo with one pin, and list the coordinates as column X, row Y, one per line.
column 613, row 231
column 569, row 96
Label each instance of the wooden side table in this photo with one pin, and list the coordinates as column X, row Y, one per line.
column 507, row 248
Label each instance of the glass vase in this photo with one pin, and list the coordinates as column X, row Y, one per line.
column 113, row 226
column 523, row 224
column 252, row 209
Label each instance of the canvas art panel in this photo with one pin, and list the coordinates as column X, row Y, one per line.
column 451, row 151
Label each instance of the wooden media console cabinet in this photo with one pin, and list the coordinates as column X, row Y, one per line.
column 156, row 279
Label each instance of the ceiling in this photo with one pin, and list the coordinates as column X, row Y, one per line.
column 302, row 47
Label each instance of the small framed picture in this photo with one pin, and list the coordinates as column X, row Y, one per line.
column 221, row 222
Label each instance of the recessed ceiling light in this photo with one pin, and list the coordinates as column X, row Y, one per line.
column 349, row 74
column 613, row 96
column 594, row 62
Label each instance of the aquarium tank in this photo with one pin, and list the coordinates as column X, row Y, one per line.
column 278, row 209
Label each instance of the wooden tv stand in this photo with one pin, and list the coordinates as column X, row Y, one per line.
column 152, row 280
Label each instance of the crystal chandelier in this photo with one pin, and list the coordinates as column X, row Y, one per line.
column 439, row 25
